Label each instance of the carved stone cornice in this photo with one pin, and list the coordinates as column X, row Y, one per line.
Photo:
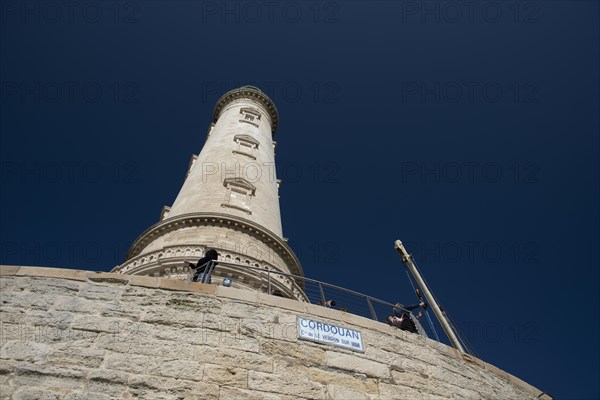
column 177, row 253
column 248, row 92
column 248, row 227
column 246, row 271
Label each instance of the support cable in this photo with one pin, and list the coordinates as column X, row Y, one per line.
column 407, row 260
column 426, row 312
column 465, row 342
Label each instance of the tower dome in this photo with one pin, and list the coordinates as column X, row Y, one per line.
column 248, row 92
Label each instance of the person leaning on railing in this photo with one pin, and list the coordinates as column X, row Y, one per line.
column 202, row 265
column 401, row 318
column 327, row 303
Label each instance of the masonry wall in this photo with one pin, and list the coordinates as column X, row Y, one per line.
column 69, row 334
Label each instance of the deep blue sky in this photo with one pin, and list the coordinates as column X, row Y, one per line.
column 469, row 133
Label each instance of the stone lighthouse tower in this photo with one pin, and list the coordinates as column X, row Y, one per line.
column 229, row 201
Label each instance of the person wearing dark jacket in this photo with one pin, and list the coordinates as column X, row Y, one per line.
column 202, row 265
column 400, row 309
column 402, row 318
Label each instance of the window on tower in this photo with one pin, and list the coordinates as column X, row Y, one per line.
column 246, row 145
column 250, row 116
column 239, row 193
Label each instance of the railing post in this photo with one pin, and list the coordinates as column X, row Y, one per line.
column 202, row 279
column 207, row 272
column 322, row 294
column 373, row 313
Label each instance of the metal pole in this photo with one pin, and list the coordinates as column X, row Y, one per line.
column 208, row 271
column 407, row 259
column 373, row 313
column 322, row 294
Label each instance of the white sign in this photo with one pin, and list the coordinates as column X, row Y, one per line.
column 322, row 332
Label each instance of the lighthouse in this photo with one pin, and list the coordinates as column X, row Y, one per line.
column 146, row 331
column 229, row 202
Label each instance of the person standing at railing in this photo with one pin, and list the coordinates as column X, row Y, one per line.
column 402, row 316
column 202, row 266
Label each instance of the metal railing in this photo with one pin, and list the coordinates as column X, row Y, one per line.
column 315, row 292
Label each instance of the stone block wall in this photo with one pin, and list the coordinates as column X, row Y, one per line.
column 70, row 335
